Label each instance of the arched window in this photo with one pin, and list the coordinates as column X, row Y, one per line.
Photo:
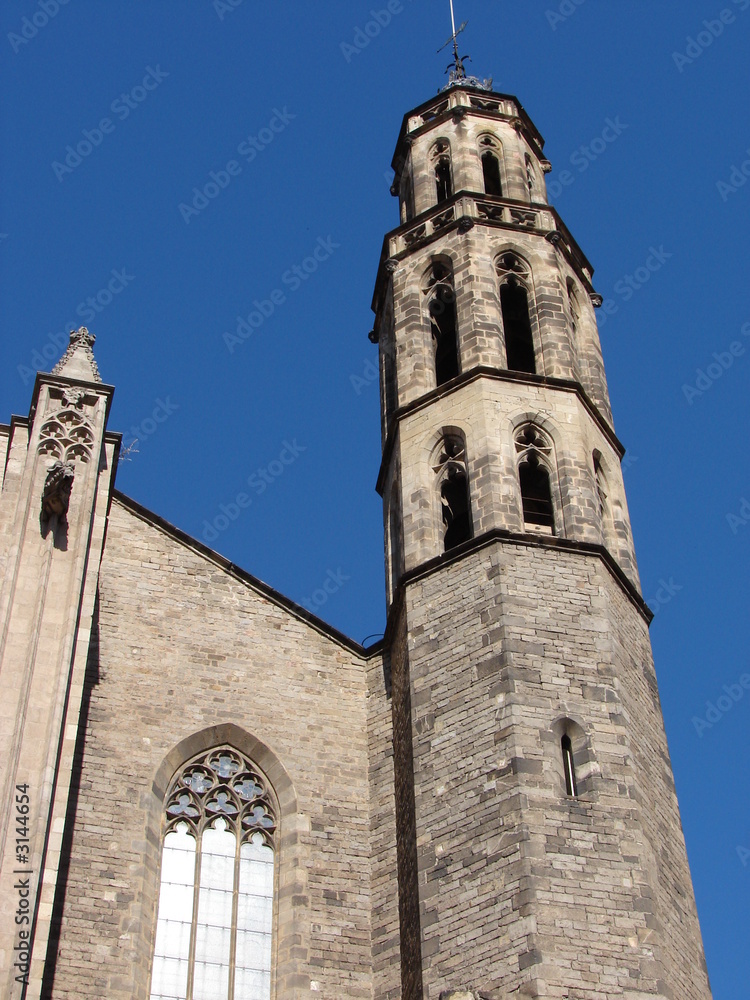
column 575, row 767
column 530, row 178
column 573, row 306
column 438, row 289
column 515, row 282
column 215, row 920
column 395, row 540
column 534, row 452
column 569, row 767
column 441, row 163
column 489, row 149
column 453, row 485
column 601, row 490
column 407, row 198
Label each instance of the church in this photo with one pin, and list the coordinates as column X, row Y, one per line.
column 210, row 794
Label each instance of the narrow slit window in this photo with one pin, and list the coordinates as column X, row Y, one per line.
column 569, row 766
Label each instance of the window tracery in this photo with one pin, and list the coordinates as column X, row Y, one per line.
column 453, row 483
column 530, row 178
column 490, row 153
column 67, row 437
column 438, row 289
column 215, row 919
column 534, row 456
column 440, row 156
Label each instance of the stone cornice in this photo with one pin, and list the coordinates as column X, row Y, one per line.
column 500, row 535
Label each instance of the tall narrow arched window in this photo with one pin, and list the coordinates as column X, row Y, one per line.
column 441, row 164
column 530, row 178
column 573, row 306
column 395, row 535
column 515, row 283
column 453, row 486
column 601, row 489
column 534, row 452
column 489, row 149
column 569, row 767
column 407, row 197
column 216, row 897
column 439, row 292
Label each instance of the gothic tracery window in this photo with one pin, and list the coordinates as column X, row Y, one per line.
column 441, row 163
column 215, row 919
column 438, row 288
column 534, row 454
column 515, row 283
column 453, row 484
column 530, row 179
column 489, row 149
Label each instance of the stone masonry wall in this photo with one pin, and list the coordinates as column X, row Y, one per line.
column 184, row 647
column 524, row 890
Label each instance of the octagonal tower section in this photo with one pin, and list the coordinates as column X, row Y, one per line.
column 540, row 845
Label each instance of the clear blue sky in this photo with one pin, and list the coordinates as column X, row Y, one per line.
column 188, row 87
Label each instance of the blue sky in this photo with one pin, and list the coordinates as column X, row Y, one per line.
column 163, row 95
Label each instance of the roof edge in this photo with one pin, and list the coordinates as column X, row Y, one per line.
column 275, row 596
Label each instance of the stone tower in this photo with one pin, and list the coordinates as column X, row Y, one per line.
column 540, row 851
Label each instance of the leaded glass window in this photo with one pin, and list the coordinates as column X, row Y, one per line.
column 215, row 920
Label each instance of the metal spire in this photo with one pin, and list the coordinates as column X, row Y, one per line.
column 456, row 70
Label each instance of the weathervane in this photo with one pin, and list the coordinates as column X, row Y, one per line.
column 456, row 69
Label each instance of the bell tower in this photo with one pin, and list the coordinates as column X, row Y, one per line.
column 540, row 850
